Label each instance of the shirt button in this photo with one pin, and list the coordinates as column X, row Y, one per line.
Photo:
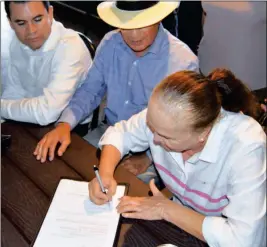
column 129, row 83
column 126, row 102
column 135, row 63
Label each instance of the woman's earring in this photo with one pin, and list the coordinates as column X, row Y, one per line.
column 201, row 139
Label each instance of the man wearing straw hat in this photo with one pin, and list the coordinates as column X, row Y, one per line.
column 129, row 63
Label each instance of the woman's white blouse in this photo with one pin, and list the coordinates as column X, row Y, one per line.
column 226, row 181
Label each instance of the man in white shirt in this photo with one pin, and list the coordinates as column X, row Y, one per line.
column 6, row 36
column 47, row 63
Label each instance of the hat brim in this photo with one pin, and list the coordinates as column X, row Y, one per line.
column 115, row 17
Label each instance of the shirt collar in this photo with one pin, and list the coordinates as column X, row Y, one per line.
column 50, row 43
column 159, row 41
column 155, row 47
column 211, row 150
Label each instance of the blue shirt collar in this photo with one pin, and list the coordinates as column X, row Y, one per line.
column 157, row 45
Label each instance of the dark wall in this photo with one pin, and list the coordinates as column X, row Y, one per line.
column 190, row 23
column 81, row 16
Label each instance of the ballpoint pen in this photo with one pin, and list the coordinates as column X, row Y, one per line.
column 100, row 182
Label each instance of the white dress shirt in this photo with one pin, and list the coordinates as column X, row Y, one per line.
column 226, row 181
column 7, row 34
column 41, row 83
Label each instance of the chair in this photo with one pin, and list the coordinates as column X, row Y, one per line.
column 81, row 130
column 89, row 44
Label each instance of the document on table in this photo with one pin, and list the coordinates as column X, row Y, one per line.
column 74, row 221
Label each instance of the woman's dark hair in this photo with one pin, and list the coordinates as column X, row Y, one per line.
column 7, row 5
column 206, row 95
column 240, row 97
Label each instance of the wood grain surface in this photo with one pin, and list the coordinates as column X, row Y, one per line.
column 28, row 186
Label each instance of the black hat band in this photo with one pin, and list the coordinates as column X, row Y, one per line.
column 135, row 5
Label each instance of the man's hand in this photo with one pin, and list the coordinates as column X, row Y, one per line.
column 146, row 208
column 136, row 164
column 61, row 134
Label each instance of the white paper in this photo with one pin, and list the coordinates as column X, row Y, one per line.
column 74, row 221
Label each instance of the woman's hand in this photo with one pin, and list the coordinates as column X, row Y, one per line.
column 95, row 193
column 146, row 208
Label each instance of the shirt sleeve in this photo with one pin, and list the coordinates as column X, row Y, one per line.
column 69, row 68
column 12, row 87
column 190, row 62
column 193, row 65
column 182, row 58
column 131, row 135
column 90, row 94
column 245, row 214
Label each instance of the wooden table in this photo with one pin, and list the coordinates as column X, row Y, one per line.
column 28, row 185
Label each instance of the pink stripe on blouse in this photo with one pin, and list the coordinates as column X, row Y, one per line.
column 199, row 193
column 193, row 203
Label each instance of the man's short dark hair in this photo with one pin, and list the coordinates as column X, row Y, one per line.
column 7, row 6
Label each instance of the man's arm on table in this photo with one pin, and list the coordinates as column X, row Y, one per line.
column 84, row 101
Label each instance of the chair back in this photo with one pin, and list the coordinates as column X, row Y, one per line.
column 92, row 49
column 89, row 44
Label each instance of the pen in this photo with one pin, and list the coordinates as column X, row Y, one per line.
column 100, row 182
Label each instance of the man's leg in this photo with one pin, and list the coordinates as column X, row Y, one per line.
column 152, row 173
column 149, row 174
column 140, row 164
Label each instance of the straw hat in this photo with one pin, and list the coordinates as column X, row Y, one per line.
column 134, row 14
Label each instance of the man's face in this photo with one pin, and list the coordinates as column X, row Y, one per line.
column 139, row 40
column 31, row 23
